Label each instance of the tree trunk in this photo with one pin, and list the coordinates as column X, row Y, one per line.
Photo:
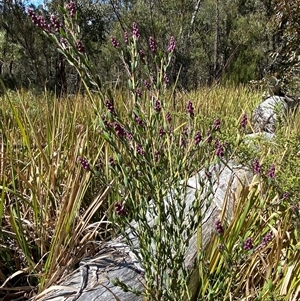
column 217, row 39
column 61, row 78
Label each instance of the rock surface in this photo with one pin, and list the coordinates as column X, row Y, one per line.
column 93, row 280
column 265, row 115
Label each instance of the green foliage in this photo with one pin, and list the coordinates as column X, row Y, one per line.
column 216, row 40
column 136, row 162
column 285, row 59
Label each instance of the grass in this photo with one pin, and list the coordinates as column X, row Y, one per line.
column 53, row 213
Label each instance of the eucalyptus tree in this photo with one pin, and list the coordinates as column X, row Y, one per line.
column 285, row 26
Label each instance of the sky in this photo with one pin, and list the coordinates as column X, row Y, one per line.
column 36, row 2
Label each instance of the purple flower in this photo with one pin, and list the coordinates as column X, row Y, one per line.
column 168, row 117
column 120, row 209
column 152, row 45
column 110, row 106
column 147, row 85
column 126, row 37
column 244, row 121
column 119, row 130
column 129, row 136
column 271, row 173
column 140, row 151
column 221, row 247
column 219, row 148
column 266, row 239
column 39, row 21
column 219, row 227
column 142, row 55
column 80, row 47
column 157, row 106
column 171, row 44
column 154, row 79
column 285, row 195
column 84, row 163
column 139, row 120
column 71, row 8
column 114, row 42
column 248, row 244
column 216, row 125
column 190, row 109
column 135, row 31
column 185, row 131
column 162, row 132
column 55, row 22
column 256, row 166
column 138, row 92
column 198, row 138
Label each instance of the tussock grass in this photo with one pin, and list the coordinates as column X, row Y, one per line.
column 47, row 201
column 52, row 211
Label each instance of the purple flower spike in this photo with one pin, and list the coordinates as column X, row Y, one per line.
column 120, row 209
column 142, row 55
column 114, row 42
column 219, row 227
column 138, row 92
column 39, row 21
column 152, row 44
column 135, row 31
column 139, row 120
column 157, row 106
column 217, row 124
column 171, row 44
column 55, row 22
column 266, row 239
column 244, row 121
column 256, row 166
column 84, row 163
column 110, row 106
column 198, row 138
column 147, row 85
column 168, row 117
column 219, row 149
column 71, row 8
column 129, row 136
column 162, row 132
column 140, row 151
column 119, row 130
column 190, row 109
column 80, row 47
column 271, row 173
column 248, row 244
column 126, row 37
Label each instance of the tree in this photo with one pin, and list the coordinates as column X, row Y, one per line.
column 285, row 24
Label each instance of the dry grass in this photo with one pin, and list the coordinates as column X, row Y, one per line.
column 52, row 211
